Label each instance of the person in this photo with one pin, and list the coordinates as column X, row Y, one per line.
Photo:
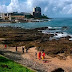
column 16, row 48
column 5, row 46
column 43, row 54
column 23, row 49
column 36, row 55
column 39, row 55
column 26, row 50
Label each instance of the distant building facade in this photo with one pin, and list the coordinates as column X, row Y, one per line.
column 37, row 12
column 1, row 19
column 14, row 16
column 0, row 16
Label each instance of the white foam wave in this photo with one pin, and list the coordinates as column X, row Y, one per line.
column 59, row 35
column 70, row 35
column 49, row 27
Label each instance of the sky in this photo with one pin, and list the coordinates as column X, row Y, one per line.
column 51, row 8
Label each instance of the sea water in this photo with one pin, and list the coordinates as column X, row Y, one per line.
column 58, row 22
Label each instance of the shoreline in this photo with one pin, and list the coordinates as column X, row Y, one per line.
column 58, row 52
column 13, row 36
column 28, row 20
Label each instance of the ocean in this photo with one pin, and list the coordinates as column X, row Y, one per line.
column 59, row 22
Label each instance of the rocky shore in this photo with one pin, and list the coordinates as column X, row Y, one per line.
column 35, row 38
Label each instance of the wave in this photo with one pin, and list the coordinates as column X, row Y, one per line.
column 59, row 35
column 49, row 27
column 57, row 32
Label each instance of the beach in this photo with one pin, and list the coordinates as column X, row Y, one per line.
column 36, row 36
column 29, row 60
column 58, row 52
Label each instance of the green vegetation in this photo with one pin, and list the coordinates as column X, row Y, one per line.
column 7, row 65
column 29, row 16
column 44, row 17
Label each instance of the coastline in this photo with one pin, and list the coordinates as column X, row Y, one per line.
column 27, row 20
column 34, row 37
column 58, row 50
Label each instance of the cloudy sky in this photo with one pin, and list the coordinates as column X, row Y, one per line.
column 51, row 8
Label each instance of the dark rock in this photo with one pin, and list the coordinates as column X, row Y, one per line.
column 58, row 70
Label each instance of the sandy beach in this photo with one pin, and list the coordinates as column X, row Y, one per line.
column 58, row 52
column 52, row 63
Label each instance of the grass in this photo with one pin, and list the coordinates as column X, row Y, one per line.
column 7, row 65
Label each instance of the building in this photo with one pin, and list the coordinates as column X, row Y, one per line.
column 37, row 12
column 15, row 16
column 12, row 16
column 1, row 19
column 0, row 16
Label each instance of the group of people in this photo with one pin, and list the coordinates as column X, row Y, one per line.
column 40, row 55
column 23, row 49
